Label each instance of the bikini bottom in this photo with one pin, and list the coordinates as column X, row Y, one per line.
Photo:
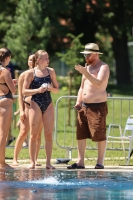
column 26, row 101
column 9, row 96
column 43, row 105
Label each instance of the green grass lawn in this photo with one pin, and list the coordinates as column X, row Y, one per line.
column 70, row 132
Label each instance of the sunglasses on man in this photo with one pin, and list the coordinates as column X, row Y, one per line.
column 87, row 55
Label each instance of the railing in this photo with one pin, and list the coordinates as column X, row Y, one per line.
column 119, row 108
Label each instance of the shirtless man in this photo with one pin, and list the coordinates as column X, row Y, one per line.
column 91, row 105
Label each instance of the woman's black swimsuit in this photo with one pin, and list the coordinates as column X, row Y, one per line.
column 8, row 95
column 43, row 100
column 26, row 101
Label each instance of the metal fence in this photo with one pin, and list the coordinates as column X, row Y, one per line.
column 119, row 108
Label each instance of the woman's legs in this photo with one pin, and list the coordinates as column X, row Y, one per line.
column 48, row 121
column 25, row 143
column 5, row 122
column 10, row 138
column 38, row 143
column 34, row 120
column 24, row 129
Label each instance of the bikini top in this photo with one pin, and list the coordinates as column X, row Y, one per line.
column 38, row 81
column 5, row 85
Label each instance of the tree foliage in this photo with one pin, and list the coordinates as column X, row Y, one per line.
column 7, row 12
column 106, row 22
column 71, row 56
column 29, row 32
column 46, row 24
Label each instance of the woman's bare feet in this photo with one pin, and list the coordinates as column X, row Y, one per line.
column 31, row 166
column 5, row 166
column 15, row 163
column 38, row 164
column 50, row 167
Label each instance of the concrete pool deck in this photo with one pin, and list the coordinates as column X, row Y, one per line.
column 109, row 168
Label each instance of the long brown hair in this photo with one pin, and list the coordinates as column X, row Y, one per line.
column 4, row 53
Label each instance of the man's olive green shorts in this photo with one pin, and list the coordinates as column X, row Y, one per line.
column 91, row 122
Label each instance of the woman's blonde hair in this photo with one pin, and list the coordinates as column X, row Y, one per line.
column 38, row 55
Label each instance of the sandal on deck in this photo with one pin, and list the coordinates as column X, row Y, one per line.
column 99, row 166
column 75, row 166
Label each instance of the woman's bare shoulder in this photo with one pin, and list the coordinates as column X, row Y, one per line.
column 29, row 72
column 22, row 75
column 51, row 70
column 5, row 71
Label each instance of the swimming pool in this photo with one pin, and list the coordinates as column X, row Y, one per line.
column 65, row 185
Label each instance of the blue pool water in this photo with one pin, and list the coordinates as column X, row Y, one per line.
column 65, row 185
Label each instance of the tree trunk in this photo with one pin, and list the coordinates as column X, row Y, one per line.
column 120, row 49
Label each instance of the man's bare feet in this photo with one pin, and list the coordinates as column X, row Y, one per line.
column 50, row 167
column 5, row 166
column 31, row 166
column 15, row 163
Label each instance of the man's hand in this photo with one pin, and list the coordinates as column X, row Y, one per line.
column 81, row 69
column 78, row 107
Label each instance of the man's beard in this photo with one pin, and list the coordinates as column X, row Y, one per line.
column 90, row 61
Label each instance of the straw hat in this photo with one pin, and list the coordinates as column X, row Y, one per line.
column 91, row 48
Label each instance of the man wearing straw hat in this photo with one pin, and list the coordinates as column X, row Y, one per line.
column 91, row 105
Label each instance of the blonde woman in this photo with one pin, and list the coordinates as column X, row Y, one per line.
column 39, row 83
column 7, row 87
column 24, row 106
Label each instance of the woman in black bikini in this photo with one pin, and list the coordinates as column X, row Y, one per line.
column 24, row 105
column 39, row 82
column 7, row 87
